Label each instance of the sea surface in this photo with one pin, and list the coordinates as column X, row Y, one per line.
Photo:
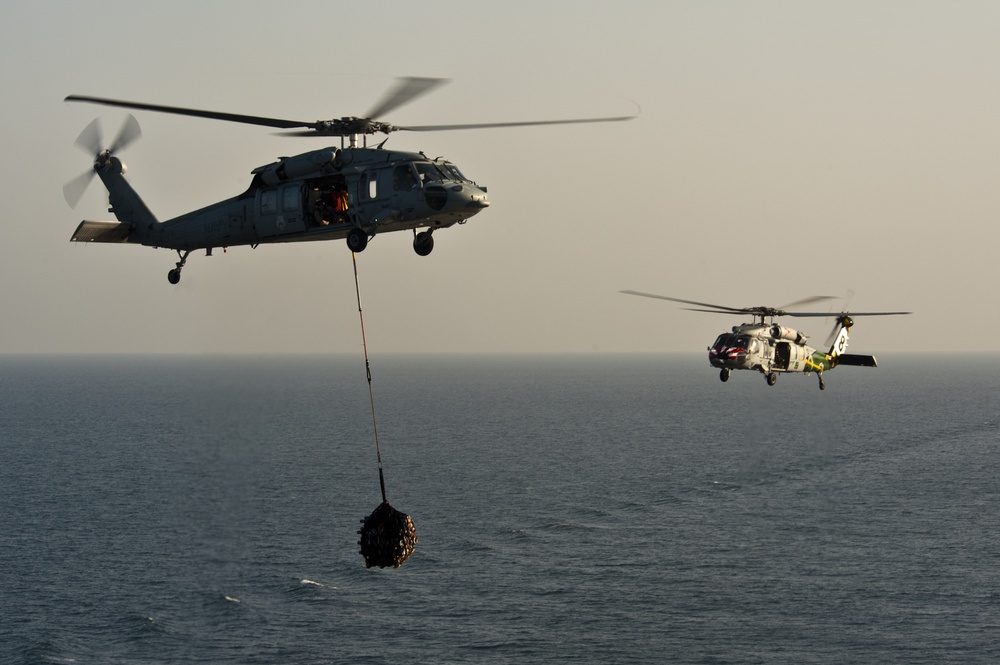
column 569, row 508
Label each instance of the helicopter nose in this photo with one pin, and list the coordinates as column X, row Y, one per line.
column 470, row 197
column 467, row 198
column 457, row 198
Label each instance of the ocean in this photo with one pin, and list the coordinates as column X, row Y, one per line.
column 570, row 508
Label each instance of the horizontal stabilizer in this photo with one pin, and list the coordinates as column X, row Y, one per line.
column 856, row 360
column 102, row 232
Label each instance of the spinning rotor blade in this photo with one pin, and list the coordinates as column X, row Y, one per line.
column 405, row 91
column 197, row 113
column 524, row 123
column 715, row 308
column 833, row 334
column 763, row 311
column 74, row 189
column 718, row 311
column 759, row 311
column 91, row 140
column 806, row 301
column 850, row 315
column 408, row 89
column 830, row 315
column 128, row 134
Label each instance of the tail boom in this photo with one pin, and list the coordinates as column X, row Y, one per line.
column 126, row 204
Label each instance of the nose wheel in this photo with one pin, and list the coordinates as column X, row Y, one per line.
column 174, row 276
column 724, row 374
column 822, row 385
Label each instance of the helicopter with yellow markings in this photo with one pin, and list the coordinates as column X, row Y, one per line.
column 351, row 192
column 764, row 346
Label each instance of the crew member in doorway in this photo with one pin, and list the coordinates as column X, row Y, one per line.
column 340, row 205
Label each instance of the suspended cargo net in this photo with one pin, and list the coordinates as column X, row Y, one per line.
column 387, row 535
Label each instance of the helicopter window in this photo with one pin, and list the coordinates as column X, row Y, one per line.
column 453, row 171
column 369, row 185
column 403, row 179
column 428, row 172
column 290, row 199
column 725, row 340
column 268, row 202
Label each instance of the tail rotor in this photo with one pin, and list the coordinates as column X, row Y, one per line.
column 837, row 340
column 836, row 326
column 833, row 332
column 91, row 141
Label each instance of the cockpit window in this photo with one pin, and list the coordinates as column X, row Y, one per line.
column 453, row 171
column 428, row 172
column 403, row 179
column 730, row 341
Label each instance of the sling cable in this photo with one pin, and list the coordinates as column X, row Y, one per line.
column 387, row 535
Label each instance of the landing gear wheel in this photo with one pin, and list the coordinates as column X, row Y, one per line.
column 822, row 385
column 174, row 275
column 772, row 378
column 357, row 240
column 423, row 243
column 724, row 374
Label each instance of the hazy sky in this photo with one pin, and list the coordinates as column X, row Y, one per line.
column 785, row 149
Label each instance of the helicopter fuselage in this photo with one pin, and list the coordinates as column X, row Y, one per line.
column 352, row 193
column 296, row 199
column 766, row 348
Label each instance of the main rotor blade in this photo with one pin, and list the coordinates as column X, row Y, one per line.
column 733, row 310
column 74, row 189
column 830, row 315
column 718, row 311
column 525, row 123
column 404, row 92
column 807, row 301
column 407, row 91
column 763, row 311
column 197, row 113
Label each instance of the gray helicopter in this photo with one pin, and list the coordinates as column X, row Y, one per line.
column 769, row 348
column 350, row 192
